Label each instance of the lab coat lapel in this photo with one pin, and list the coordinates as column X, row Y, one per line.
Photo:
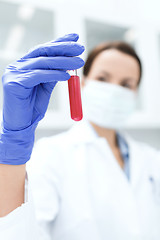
column 137, row 160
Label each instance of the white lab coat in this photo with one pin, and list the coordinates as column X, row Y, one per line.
column 81, row 193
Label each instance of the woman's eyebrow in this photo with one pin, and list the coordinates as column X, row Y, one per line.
column 105, row 73
column 128, row 79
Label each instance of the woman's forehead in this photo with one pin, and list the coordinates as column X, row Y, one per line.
column 115, row 60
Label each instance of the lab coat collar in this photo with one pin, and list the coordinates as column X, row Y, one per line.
column 83, row 132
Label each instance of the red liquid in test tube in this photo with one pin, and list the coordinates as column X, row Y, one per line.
column 75, row 96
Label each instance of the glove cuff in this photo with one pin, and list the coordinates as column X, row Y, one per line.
column 16, row 146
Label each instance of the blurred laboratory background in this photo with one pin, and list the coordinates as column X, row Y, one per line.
column 26, row 23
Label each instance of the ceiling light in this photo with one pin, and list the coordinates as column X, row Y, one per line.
column 25, row 12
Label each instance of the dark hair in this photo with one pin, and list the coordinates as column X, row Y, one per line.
column 119, row 45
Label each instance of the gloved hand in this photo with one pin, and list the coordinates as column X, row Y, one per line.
column 27, row 87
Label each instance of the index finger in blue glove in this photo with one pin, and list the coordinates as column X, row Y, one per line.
column 30, row 79
column 65, row 63
column 56, row 49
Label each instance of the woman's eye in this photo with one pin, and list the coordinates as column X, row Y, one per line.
column 103, row 79
column 126, row 85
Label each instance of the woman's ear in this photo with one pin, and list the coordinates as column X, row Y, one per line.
column 83, row 81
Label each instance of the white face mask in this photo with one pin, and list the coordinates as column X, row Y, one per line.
column 107, row 105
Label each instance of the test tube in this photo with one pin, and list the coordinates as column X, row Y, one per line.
column 75, row 96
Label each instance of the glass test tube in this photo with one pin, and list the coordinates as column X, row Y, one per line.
column 75, row 96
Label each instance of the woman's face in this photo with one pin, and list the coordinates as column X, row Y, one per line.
column 115, row 67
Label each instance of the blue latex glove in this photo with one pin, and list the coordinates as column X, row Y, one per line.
column 27, row 87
